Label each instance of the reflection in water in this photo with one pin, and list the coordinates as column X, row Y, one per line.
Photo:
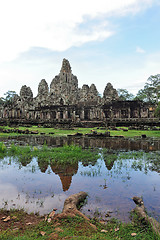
column 109, row 160
column 42, row 165
column 24, row 160
column 65, row 172
column 111, row 182
column 86, row 142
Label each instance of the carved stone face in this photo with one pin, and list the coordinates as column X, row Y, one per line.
column 26, row 93
column 110, row 93
column 43, row 88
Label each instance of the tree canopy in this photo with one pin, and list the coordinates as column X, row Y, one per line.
column 151, row 90
column 8, row 97
column 124, row 94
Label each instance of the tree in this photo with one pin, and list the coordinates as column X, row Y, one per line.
column 151, row 90
column 157, row 111
column 124, row 94
column 153, row 86
column 144, row 95
column 1, row 101
column 8, row 97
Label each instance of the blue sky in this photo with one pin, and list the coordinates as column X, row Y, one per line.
column 105, row 41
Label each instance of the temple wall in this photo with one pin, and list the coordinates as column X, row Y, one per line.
column 87, row 113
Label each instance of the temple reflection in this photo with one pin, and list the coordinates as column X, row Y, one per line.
column 65, row 172
column 86, row 142
column 42, row 165
column 24, row 160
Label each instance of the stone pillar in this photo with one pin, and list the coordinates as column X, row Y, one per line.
column 27, row 115
column 65, row 114
column 35, row 115
column 58, row 115
column 41, row 115
column 10, row 114
column 18, row 114
column 111, row 112
column 101, row 114
column 82, row 114
column 13, row 113
column 129, row 113
column 48, row 115
column 120, row 115
column 91, row 114
column 74, row 115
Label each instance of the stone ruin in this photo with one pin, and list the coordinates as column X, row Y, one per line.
column 64, row 102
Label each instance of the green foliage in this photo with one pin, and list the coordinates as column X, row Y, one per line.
column 62, row 155
column 8, row 97
column 72, row 153
column 2, row 147
column 143, row 95
column 79, row 228
column 157, row 111
column 151, row 91
column 124, row 94
column 62, row 132
column 13, row 149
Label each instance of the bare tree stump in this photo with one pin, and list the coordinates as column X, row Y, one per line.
column 140, row 210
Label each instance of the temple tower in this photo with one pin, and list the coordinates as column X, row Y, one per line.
column 64, row 87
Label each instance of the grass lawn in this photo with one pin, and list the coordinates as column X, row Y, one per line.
column 23, row 226
column 62, row 132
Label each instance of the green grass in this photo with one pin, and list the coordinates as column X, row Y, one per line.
column 62, row 132
column 62, row 155
column 78, row 228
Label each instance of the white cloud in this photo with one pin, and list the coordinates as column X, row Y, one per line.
column 140, row 50
column 136, row 75
column 52, row 24
column 129, row 72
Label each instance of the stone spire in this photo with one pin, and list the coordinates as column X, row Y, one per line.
column 64, row 87
column 66, row 68
column 43, row 88
column 26, row 93
column 110, row 93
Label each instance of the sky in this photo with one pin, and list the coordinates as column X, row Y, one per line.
column 114, row 41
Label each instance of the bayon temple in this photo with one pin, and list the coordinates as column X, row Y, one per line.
column 65, row 103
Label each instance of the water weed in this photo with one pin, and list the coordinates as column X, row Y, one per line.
column 62, row 155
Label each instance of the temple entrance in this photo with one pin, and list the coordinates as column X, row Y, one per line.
column 53, row 115
column 86, row 114
column 61, row 115
column 61, row 101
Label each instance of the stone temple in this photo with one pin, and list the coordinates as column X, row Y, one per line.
column 65, row 103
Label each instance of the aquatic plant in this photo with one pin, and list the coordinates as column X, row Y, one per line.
column 2, row 147
column 65, row 154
